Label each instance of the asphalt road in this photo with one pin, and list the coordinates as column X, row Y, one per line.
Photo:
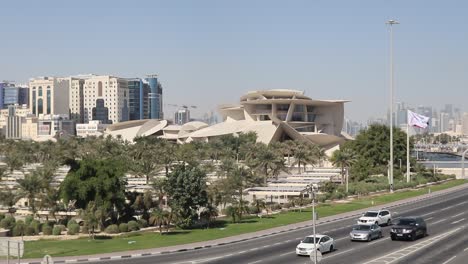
column 445, row 215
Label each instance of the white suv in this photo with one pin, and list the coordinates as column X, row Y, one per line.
column 379, row 217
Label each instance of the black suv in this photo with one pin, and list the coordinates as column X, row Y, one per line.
column 409, row 228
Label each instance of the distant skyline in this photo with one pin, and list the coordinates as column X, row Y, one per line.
column 329, row 49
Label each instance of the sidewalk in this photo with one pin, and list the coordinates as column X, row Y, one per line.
column 237, row 238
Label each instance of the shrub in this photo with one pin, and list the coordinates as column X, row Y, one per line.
column 133, row 226
column 287, row 205
column 8, row 222
column 123, row 228
column 73, row 229
column 36, row 225
column 30, row 231
column 57, row 230
column 253, row 210
column 142, row 223
column 28, row 220
column 2, row 216
column 85, row 229
column 112, row 229
column 46, row 230
column 19, row 229
column 71, row 222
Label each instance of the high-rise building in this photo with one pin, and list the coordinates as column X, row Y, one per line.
column 182, row 116
column 465, row 124
column 138, row 91
column 401, row 114
column 11, row 94
column 155, row 97
column 444, row 122
column 105, row 98
column 77, row 112
column 49, row 96
column 13, row 125
column 449, row 110
column 15, row 96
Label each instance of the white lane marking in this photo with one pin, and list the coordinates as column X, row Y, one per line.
column 465, row 249
column 287, row 253
column 339, row 253
column 446, row 208
column 441, row 220
column 450, row 259
column 255, row 262
column 399, row 254
column 429, row 218
column 428, row 214
column 242, row 252
column 457, row 215
column 341, row 238
column 458, row 221
column 461, row 203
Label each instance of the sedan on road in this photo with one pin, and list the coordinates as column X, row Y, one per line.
column 323, row 244
column 365, row 232
column 409, row 228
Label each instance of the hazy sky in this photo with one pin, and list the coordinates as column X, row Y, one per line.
column 211, row 52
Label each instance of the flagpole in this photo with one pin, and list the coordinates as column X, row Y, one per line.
column 408, row 178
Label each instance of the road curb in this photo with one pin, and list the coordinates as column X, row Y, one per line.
column 308, row 225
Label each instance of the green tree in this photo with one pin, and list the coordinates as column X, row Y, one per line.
column 209, row 214
column 344, row 159
column 99, row 180
column 304, row 153
column 159, row 186
column 266, row 160
column 146, row 157
column 186, row 188
column 91, row 221
column 30, row 187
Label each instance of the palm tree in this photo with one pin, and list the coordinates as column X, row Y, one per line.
column 259, row 204
column 157, row 219
column 30, row 187
column 8, row 198
column 89, row 217
column 240, row 179
column 344, row 159
column 265, row 159
column 209, row 214
column 159, row 186
column 304, row 153
column 320, row 155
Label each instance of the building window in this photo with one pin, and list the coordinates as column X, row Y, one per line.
column 40, row 91
column 40, row 106
column 99, row 88
column 48, row 100
column 34, row 100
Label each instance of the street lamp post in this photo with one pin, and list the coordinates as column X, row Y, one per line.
column 463, row 163
column 311, row 190
column 391, row 23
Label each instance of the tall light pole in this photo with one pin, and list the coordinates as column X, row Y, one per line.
column 311, row 189
column 391, row 23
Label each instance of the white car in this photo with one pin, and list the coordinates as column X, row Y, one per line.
column 380, row 217
column 324, row 244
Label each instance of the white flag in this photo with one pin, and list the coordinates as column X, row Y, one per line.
column 417, row 120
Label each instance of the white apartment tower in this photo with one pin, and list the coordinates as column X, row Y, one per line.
column 105, row 98
column 49, row 96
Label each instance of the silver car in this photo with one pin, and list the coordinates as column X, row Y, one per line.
column 365, row 232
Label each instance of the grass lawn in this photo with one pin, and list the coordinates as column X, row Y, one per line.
column 224, row 228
